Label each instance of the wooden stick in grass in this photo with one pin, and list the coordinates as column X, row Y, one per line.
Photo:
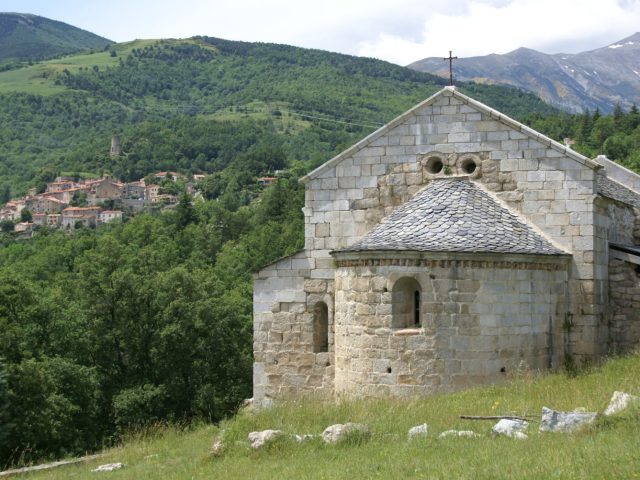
column 498, row 417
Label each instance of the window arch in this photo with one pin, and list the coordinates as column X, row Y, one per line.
column 406, row 303
column 320, row 328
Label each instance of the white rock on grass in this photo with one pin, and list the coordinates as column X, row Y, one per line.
column 258, row 439
column 459, row 433
column 217, row 447
column 109, row 467
column 565, row 422
column 620, row 401
column 511, row 428
column 338, row 432
column 418, row 431
column 303, row 438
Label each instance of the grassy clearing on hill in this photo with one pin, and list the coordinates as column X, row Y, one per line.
column 607, row 450
column 39, row 79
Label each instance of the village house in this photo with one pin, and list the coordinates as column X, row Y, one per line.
column 74, row 216
column 23, row 227
column 151, row 193
column 173, row 176
column 54, row 220
column 60, row 185
column 50, row 208
column 266, row 181
column 447, row 249
column 103, row 189
column 44, row 204
column 134, row 190
column 67, row 195
column 108, row 216
column 51, row 220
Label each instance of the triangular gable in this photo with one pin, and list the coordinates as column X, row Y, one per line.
column 479, row 106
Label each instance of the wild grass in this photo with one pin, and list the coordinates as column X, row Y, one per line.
column 39, row 78
column 609, row 449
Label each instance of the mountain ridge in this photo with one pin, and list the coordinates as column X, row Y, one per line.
column 594, row 79
column 24, row 36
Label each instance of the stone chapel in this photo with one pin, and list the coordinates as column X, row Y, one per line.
column 445, row 250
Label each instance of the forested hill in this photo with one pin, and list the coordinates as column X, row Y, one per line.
column 60, row 114
column 30, row 37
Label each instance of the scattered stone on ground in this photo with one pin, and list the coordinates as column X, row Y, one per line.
column 217, row 447
column 338, row 432
column 620, row 401
column 459, row 433
column 418, row 431
column 108, row 467
column 303, row 438
column 258, row 439
column 511, row 428
column 565, row 422
column 48, row 466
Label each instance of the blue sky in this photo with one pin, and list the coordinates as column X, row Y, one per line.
column 400, row 31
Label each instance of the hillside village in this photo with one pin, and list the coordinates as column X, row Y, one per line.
column 70, row 202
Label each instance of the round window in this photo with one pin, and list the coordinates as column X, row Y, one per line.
column 469, row 166
column 434, row 165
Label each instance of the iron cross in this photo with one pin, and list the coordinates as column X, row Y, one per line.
column 451, row 59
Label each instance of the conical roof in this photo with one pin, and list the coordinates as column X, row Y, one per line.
column 454, row 215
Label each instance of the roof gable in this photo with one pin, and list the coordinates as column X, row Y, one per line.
column 480, row 107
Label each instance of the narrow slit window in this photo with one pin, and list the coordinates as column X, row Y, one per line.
column 320, row 328
column 416, row 308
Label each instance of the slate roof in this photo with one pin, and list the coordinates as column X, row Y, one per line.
column 454, row 215
column 616, row 191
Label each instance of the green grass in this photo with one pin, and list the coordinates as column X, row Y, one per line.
column 39, row 79
column 607, row 450
column 257, row 110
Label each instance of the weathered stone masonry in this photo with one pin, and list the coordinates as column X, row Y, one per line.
column 538, row 315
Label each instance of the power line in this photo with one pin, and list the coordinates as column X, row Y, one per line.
column 209, row 110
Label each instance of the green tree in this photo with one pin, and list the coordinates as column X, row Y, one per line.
column 185, row 213
column 6, row 422
column 79, row 199
column 25, row 215
column 7, row 226
column 5, row 193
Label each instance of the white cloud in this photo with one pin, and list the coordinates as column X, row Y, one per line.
column 400, row 31
column 482, row 27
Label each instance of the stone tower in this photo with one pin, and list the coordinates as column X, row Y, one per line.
column 115, row 146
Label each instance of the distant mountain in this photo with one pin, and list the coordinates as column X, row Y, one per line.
column 574, row 82
column 30, row 37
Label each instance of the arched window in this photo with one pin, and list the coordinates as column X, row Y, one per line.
column 320, row 328
column 406, row 301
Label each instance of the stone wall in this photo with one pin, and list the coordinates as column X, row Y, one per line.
column 624, row 290
column 624, row 278
column 553, row 189
column 285, row 294
column 482, row 318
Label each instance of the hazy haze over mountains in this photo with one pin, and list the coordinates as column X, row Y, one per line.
column 598, row 78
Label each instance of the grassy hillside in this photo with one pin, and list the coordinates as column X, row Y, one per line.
column 30, row 37
column 90, row 96
column 607, row 450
